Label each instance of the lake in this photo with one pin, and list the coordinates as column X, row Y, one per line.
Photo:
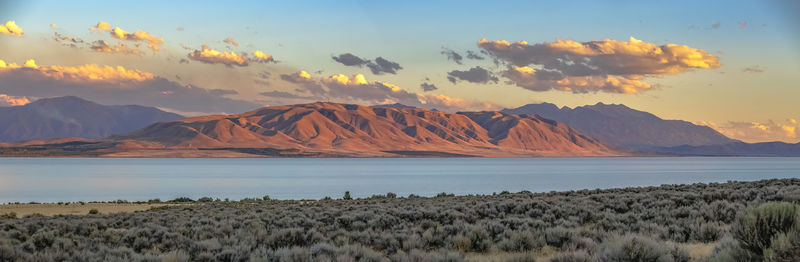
column 99, row 179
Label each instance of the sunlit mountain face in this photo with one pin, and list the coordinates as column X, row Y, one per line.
column 733, row 71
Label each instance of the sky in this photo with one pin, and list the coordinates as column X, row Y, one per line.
column 731, row 65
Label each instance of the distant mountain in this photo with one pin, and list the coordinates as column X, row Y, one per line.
column 621, row 126
column 71, row 116
column 354, row 130
column 735, row 149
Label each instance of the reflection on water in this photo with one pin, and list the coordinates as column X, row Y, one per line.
column 87, row 179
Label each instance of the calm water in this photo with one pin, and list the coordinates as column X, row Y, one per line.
column 87, row 179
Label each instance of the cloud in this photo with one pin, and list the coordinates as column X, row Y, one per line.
column 534, row 80
column 67, row 40
column 476, row 74
column 349, row 59
column 382, row 65
column 473, row 55
column 54, row 26
column 211, row 56
column 753, row 132
column 742, row 25
column 179, row 29
column 140, row 35
column 6, row 100
column 605, row 65
column 10, row 28
column 357, row 89
column 261, row 57
column 753, row 69
column 81, row 74
column 716, row 25
column 118, row 48
column 231, row 41
column 427, row 87
column 101, row 26
column 281, row 94
column 114, row 85
column 223, row 92
column 452, row 55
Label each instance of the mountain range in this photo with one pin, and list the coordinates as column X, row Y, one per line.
column 621, row 126
column 71, row 126
column 332, row 129
column 74, row 117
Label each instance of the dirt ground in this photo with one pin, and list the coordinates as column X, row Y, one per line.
column 73, row 208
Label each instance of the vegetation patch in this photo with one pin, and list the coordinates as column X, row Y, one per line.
column 745, row 221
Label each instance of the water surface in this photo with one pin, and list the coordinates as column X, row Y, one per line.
column 91, row 179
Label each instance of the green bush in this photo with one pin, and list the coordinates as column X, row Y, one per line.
column 94, row 211
column 785, row 247
column 758, row 226
column 347, row 196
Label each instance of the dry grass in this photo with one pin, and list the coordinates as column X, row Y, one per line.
column 543, row 254
column 698, row 250
column 73, row 208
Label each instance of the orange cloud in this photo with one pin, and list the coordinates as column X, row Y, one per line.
column 231, row 41
column 531, row 79
column 101, row 26
column 140, row 35
column 54, row 26
column 211, row 56
column 358, row 89
column 103, row 47
column 6, row 100
column 605, row 65
column 10, row 28
column 85, row 73
column 262, row 57
column 786, row 131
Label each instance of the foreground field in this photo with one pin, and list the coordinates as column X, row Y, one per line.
column 22, row 210
column 714, row 222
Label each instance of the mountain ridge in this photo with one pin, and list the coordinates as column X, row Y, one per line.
column 71, row 116
column 622, row 126
column 371, row 131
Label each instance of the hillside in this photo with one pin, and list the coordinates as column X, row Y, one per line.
column 74, row 117
column 621, row 126
column 354, row 130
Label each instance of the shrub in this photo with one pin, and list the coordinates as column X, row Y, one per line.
column 204, row 200
column 784, row 247
column 94, row 211
column 347, row 196
column 182, row 200
column 572, row 256
column 522, row 241
column 758, row 226
column 635, row 248
column 10, row 215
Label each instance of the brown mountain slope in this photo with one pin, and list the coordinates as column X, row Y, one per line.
column 353, row 130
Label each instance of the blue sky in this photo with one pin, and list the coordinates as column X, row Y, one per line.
column 303, row 35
